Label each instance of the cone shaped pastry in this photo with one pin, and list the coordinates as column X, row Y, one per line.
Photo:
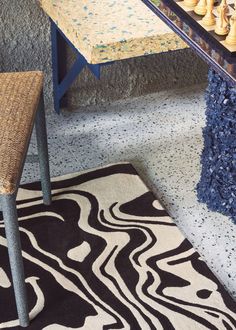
column 190, row 3
column 209, row 18
column 201, row 8
column 231, row 38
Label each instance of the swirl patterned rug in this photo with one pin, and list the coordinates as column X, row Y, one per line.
column 105, row 255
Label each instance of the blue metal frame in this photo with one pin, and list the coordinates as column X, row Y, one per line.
column 62, row 84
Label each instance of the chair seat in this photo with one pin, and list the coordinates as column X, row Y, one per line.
column 19, row 98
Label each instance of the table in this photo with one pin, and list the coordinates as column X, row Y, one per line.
column 217, row 186
column 101, row 32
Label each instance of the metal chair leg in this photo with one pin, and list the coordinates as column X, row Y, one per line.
column 15, row 257
column 41, row 135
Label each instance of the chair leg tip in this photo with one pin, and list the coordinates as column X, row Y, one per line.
column 24, row 324
column 47, row 202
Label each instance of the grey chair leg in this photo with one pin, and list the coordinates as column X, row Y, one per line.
column 15, row 257
column 41, row 134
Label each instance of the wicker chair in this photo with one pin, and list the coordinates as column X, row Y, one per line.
column 21, row 105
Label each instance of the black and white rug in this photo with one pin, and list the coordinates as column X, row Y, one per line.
column 106, row 255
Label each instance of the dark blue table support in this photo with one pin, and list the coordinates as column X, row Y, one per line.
column 62, row 80
column 217, row 186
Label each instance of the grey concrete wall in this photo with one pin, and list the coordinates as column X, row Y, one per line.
column 25, row 45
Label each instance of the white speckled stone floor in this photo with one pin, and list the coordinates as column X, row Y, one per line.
column 160, row 135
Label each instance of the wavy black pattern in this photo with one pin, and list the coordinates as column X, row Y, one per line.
column 106, row 255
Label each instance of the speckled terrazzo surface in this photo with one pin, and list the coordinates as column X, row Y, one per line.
column 110, row 30
column 161, row 135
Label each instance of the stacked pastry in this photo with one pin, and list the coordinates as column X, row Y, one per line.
column 218, row 17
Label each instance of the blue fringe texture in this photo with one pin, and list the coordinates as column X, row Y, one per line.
column 217, row 186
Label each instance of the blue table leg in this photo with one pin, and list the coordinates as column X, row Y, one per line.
column 58, row 65
column 63, row 80
column 217, row 186
column 55, row 66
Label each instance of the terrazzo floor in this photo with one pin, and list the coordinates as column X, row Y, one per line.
column 160, row 134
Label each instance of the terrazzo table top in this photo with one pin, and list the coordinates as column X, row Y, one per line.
column 111, row 30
